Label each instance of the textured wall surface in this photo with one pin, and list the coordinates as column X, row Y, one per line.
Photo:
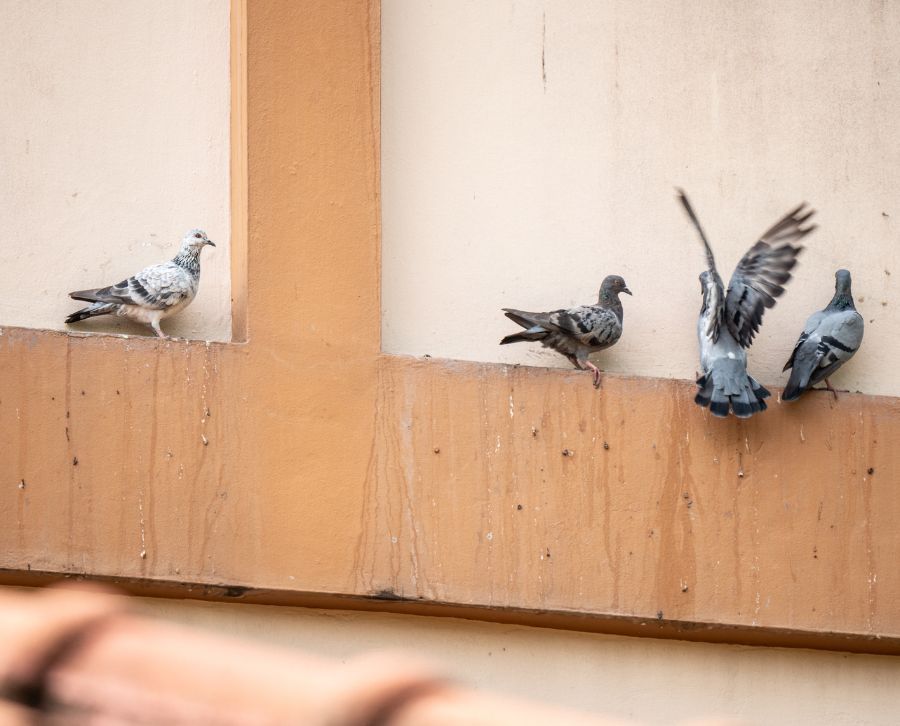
column 114, row 141
column 648, row 680
column 530, row 148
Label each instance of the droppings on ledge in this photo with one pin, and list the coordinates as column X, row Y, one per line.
column 606, row 445
column 21, row 484
column 870, row 470
column 568, row 452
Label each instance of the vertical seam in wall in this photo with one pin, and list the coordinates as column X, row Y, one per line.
column 239, row 178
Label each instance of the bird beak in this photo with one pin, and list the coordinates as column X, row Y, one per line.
column 625, row 289
column 210, row 242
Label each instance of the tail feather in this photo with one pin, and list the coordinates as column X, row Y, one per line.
column 704, row 394
column 87, row 295
column 534, row 333
column 796, row 385
column 728, row 389
column 91, row 311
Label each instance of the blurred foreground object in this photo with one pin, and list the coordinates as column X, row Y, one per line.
column 77, row 656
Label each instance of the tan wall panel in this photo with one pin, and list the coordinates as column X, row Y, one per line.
column 532, row 148
column 115, row 142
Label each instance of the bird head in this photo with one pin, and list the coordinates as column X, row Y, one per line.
column 196, row 240
column 612, row 286
column 842, row 281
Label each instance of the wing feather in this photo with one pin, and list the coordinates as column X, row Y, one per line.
column 760, row 276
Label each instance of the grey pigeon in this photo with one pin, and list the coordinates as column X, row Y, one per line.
column 153, row 294
column 829, row 339
column 576, row 332
column 728, row 321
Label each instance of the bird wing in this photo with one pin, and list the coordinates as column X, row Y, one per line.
column 156, row 287
column 763, row 271
column 841, row 334
column 812, row 322
column 826, row 348
column 713, row 295
column 592, row 325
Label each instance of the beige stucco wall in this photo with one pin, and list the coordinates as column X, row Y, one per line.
column 114, row 141
column 649, row 680
column 530, row 148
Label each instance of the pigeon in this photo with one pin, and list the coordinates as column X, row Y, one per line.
column 153, row 294
column 729, row 320
column 576, row 332
column 829, row 339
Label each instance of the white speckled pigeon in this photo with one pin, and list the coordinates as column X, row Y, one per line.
column 153, row 294
column 829, row 339
column 728, row 321
column 576, row 332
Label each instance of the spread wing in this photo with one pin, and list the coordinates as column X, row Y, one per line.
column 713, row 309
column 762, row 273
column 156, row 287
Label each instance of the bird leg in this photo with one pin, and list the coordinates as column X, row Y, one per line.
column 827, row 388
column 596, row 371
column 155, row 326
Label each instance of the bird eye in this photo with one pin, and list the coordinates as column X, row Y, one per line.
column 198, row 235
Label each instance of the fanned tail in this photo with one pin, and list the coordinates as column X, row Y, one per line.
column 724, row 390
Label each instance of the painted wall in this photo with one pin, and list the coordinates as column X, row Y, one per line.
column 114, row 141
column 654, row 681
column 531, row 148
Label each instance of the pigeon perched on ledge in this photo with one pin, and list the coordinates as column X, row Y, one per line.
column 577, row 332
column 829, row 339
column 728, row 321
column 155, row 293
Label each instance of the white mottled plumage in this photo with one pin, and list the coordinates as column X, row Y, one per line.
column 576, row 332
column 155, row 293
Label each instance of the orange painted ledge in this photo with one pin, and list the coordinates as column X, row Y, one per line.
column 441, row 487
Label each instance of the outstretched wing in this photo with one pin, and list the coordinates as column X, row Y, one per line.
column 762, row 273
column 713, row 309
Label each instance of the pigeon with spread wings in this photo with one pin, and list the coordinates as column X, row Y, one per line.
column 576, row 332
column 730, row 319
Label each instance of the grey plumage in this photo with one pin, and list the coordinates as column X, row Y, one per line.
column 153, row 294
column 829, row 339
column 576, row 332
column 729, row 319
